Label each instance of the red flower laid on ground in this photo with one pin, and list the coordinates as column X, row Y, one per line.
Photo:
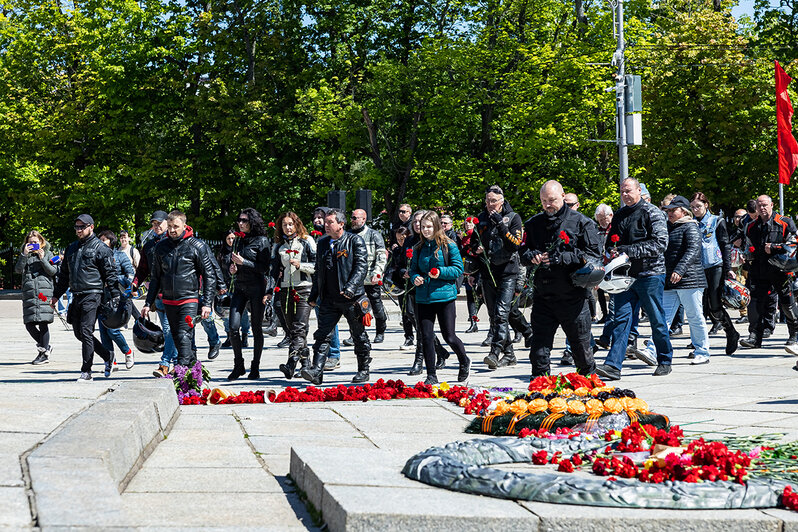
column 434, row 271
column 566, row 466
column 540, row 458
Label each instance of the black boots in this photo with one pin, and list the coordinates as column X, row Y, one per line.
column 289, row 367
column 285, row 342
column 315, row 374
column 362, row 374
column 465, row 368
column 418, row 363
column 238, row 369
column 732, row 336
column 254, row 372
column 492, row 360
column 473, row 327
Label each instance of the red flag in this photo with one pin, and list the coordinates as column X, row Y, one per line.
column 788, row 147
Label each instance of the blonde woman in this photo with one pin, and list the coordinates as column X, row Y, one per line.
column 38, row 274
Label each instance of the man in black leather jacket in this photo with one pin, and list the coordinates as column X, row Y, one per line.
column 341, row 267
column 88, row 269
column 558, row 242
column 499, row 237
column 181, row 265
column 157, row 233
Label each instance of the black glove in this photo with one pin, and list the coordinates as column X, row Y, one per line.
column 554, row 257
column 496, row 218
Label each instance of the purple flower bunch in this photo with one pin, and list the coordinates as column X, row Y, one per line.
column 189, row 381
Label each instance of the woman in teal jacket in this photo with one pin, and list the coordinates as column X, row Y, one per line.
column 434, row 270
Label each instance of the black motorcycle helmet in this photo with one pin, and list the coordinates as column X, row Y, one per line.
column 147, row 337
column 588, row 276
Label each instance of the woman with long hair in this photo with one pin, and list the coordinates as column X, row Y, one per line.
column 224, row 258
column 38, row 282
column 293, row 266
column 250, row 259
column 434, row 269
column 716, row 260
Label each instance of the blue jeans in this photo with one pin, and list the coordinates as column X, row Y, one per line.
column 169, row 355
column 210, row 329
column 335, row 341
column 692, row 300
column 109, row 337
column 646, row 291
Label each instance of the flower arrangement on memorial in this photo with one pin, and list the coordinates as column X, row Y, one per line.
column 189, row 383
column 570, row 400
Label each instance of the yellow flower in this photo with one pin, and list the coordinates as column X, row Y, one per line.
column 576, row 407
column 557, row 405
column 501, row 408
column 537, row 405
column 444, row 386
column 613, row 405
column 581, row 391
column 519, row 406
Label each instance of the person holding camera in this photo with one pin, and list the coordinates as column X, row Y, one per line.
column 36, row 266
column 341, row 267
column 87, row 270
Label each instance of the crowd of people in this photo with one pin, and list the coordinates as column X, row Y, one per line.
column 640, row 262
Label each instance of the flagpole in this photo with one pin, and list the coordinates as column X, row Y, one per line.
column 781, row 199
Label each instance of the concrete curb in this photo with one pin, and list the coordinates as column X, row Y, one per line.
column 358, row 489
column 97, row 453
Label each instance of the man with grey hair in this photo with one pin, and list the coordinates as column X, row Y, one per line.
column 377, row 260
column 639, row 230
column 765, row 237
column 603, row 217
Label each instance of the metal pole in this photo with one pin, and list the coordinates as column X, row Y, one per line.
column 623, row 160
column 781, row 199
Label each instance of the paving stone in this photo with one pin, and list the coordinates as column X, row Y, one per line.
column 368, row 508
column 265, row 511
column 283, row 444
column 567, row 518
column 288, row 411
column 200, row 454
column 15, row 508
column 10, row 470
column 202, row 480
column 291, row 427
column 352, row 467
column 224, row 422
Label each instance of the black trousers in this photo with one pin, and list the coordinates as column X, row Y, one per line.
column 374, row 293
column 407, row 304
column 445, row 312
column 182, row 334
column 498, row 299
column 40, row 332
column 238, row 303
column 82, row 314
column 760, row 312
column 297, row 316
column 602, row 296
column 330, row 312
column 571, row 312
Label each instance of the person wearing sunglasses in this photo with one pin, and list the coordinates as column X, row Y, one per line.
column 251, row 258
column 88, row 269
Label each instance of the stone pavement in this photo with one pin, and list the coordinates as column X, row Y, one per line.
column 227, row 467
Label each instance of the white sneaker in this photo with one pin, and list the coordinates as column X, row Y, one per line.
column 85, row 376
column 129, row 362
column 700, row 359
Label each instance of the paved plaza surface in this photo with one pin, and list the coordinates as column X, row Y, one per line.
column 238, row 467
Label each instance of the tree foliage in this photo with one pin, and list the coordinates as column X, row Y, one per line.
column 120, row 107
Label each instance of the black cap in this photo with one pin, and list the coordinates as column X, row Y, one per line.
column 496, row 189
column 324, row 210
column 678, row 201
column 85, row 218
column 158, row 215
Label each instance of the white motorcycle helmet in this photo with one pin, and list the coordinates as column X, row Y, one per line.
column 616, row 279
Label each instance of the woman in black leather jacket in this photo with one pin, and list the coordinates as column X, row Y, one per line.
column 249, row 264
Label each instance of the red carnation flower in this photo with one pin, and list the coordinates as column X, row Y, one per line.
column 564, row 237
column 42, row 297
column 276, row 289
column 409, row 253
column 271, row 225
column 240, row 234
column 190, row 321
column 566, row 466
column 434, row 271
column 615, row 238
column 751, row 249
column 315, row 233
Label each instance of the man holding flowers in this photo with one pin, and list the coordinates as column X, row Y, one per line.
column 559, row 241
